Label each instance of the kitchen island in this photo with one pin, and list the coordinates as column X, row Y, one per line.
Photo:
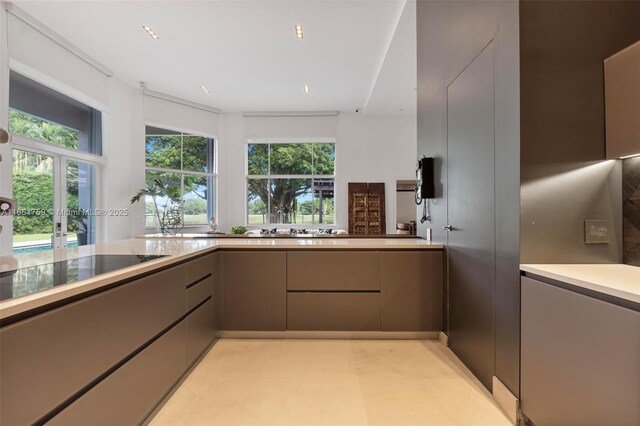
column 128, row 336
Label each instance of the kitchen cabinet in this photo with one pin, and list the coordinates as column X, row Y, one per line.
column 254, row 290
column 580, row 358
column 333, row 311
column 49, row 357
column 333, row 270
column 216, row 292
column 622, row 102
column 411, row 291
column 200, row 330
column 109, row 358
column 130, row 394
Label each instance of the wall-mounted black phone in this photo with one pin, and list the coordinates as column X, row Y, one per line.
column 425, row 185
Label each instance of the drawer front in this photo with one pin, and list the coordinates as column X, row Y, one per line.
column 412, row 291
column 199, row 268
column 254, row 287
column 200, row 331
column 198, row 292
column 333, row 270
column 130, row 394
column 47, row 358
column 333, row 311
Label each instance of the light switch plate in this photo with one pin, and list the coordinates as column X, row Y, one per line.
column 596, row 231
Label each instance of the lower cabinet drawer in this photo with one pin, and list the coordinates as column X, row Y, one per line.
column 198, row 292
column 48, row 358
column 333, row 311
column 200, row 331
column 131, row 393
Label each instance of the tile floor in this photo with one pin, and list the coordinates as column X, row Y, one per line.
column 330, row 382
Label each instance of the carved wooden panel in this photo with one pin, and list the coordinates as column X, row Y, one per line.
column 366, row 209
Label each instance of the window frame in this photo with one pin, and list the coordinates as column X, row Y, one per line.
column 212, row 176
column 269, row 177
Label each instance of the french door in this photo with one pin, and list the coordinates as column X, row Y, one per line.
column 56, row 198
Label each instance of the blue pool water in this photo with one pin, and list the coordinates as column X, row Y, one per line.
column 34, row 249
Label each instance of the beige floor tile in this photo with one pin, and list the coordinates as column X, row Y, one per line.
column 332, row 383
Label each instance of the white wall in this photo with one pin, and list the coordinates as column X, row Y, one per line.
column 368, row 149
column 374, row 148
column 123, row 176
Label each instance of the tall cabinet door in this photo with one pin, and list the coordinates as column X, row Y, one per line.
column 471, row 214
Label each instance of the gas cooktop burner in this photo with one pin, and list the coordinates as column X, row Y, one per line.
column 29, row 280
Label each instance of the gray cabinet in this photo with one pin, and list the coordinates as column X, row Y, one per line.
column 580, row 358
column 49, row 357
column 412, row 291
column 328, row 311
column 254, row 287
column 622, row 102
column 217, row 292
column 333, row 270
column 200, row 331
column 130, row 394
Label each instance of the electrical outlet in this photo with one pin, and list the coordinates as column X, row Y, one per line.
column 596, row 231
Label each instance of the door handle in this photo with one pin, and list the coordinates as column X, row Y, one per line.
column 7, row 206
column 4, row 136
column 448, row 228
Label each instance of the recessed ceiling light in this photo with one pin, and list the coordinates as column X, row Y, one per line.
column 204, row 89
column 299, row 33
column 151, row 33
column 306, row 88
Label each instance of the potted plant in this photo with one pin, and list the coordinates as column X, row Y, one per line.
column 78, row 223
column 169, row 214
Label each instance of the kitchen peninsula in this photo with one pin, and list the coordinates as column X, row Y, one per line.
column 128, row 336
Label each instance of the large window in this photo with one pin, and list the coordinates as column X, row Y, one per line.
column 184, row 165
column 290, row 183
column 55, row 166
column 44, row 115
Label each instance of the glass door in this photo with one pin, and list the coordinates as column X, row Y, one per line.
column 56, row 202
column 80, row 203
column 34, row 190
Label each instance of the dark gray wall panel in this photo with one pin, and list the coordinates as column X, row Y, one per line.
column 562, row 48
column 471, row 144
column 450, row 34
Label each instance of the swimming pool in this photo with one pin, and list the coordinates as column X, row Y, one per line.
column 35, row 249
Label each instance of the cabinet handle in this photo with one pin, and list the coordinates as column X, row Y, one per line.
column 448, row 228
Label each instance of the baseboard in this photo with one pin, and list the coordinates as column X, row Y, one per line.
column 505, row 400
column 361, row 335
column 444, row 339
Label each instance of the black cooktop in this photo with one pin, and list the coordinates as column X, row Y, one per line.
column 32, row 279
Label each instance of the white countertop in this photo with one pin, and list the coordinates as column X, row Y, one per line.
column 176, row 250
column 617, row 280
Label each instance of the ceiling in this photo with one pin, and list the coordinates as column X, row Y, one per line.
column 354, row 54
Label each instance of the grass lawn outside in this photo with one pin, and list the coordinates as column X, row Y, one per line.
column 301, row 219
